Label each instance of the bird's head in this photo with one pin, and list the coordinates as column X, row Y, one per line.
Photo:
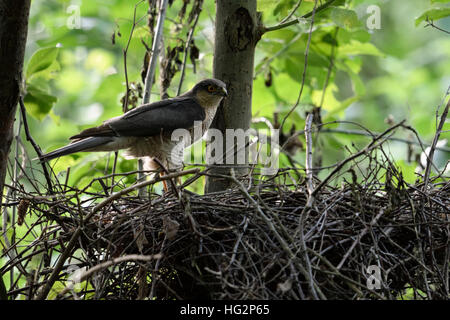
column 210, row 92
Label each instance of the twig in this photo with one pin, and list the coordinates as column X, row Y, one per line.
column 140, row 185
column 55, row 273
column 88, row 273
column 362, row 133
column 155, row 276
column 297, row 5
column 358, row 239
column 186, row 50
column 116, row 154
column 372, row 145
column 283, row 243
column 330, row 67
column 125, row 52
column 433, row 146
column 34, row 144
column 309, row 162
column 430, row 23
column 298, row 20
column 305, row 67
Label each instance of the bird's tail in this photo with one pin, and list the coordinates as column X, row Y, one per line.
column 77, row 146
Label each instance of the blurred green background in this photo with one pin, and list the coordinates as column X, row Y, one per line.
column 379, row 76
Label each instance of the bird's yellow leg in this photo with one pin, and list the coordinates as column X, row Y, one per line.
column 166, row 188
column 163, row 172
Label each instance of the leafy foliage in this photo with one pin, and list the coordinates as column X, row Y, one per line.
column 75, row 78
column 75, row 74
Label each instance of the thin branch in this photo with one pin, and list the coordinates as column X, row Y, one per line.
column 34, row 144
column 140, row 185
column 304, row 68
column 430, row 23
column 283, row 24
column 88, row 273
column 42, row 294
column 433, row 145
column 313, row 285
column 330, row 67
column 125, row 52
column 372, row 145
column 186, row 51
column 367, row 133
column 362, row 133
column 358, row 239
column 297, row 5
column 309, row 162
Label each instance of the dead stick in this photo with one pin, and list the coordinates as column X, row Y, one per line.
column 358, row 238
column 308, row 161
column 372, row 145
column 34, row 144
column 86, row 274
column 42, row 294
column 433, row 146
column 122, row 192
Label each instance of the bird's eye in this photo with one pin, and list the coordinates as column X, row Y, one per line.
column 211, row 89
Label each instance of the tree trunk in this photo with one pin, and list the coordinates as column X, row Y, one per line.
column 237, row 32
column 13, row 36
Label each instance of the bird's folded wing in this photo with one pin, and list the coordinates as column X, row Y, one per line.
column 154, row 118
column 149, row 120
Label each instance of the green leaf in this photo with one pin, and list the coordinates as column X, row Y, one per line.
column 359, row 48
column 38, row 102
column 358, row 85
column 283, row 7
column 345, row 36
column 352, row 68
column 267, row 7
column 42, row 59
column 342, row 106
column 433, row 14
column 344, row 18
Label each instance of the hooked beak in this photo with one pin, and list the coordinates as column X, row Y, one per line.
column 224, row 92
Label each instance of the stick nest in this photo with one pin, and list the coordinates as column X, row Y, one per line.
column 272, row 240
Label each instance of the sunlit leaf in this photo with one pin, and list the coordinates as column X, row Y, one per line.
column 433, row 14
column 344, row 18
column 345, row 36
column 42, row 59
column 342, row 106
column 359, row 48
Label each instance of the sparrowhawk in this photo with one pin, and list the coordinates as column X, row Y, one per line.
column 145, row 132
